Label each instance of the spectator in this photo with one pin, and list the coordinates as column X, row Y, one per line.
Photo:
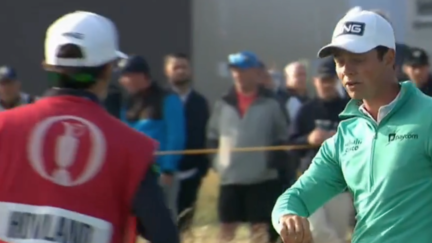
column 265, row 79
column 318, row 120
column 113, row 101
column 416, row 66
column 247, row 116
column 192, row 168
column 10, row 90
column 271, row 80
column 157, row 113
column 273, row 83
column 295, row 74
column 402, row 53
column 277, row 80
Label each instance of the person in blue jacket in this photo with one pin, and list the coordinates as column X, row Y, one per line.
column 158, row 113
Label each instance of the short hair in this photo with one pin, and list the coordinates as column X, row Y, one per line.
column 73, row 77
column 381, row 51
column 176, row 55
column 291, row 65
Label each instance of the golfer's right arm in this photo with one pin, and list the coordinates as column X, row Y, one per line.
column 322, row 181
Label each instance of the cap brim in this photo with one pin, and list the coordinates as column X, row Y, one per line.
column 415, row 63
column 354, row 46
column 121, row 55
column 237, row 66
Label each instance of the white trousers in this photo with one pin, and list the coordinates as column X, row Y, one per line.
column 331, row 223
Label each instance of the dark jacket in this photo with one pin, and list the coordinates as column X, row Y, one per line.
column 427, row 87
column 113, row 101
column 311, row 115
column 196, row 116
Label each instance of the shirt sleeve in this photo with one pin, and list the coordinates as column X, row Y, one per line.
column 321, row 182
column 154, row 221
column 175, row 131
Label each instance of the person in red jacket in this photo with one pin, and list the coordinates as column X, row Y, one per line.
column 69, row 171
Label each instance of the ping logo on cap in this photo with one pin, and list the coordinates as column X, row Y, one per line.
column 353, row 28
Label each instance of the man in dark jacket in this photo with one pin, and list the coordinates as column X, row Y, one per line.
column 11, row 95
column 416, row 66
column 113, row 101
column 402, row 52
column 318, row 119
column 192, row 168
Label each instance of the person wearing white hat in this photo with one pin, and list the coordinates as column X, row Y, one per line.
column 381, row 152
column 85, row 173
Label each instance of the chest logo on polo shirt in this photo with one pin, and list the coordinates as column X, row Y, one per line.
column 66, row 150
column 400, row 137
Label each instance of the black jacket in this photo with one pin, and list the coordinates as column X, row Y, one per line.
column 113, row 101
column 196, row 116
column 427, row 87
column 312, row 114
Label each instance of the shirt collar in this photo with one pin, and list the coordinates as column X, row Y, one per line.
column 183, row 96
column 383, row 111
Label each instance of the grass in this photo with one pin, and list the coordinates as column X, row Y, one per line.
column 205, row 227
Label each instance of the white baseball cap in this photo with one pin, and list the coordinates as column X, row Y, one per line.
column 94, row 34
column 360, row 32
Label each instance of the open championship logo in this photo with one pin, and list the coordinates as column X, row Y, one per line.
column 66, row 148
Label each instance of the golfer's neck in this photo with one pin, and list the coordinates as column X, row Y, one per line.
column 384, row 98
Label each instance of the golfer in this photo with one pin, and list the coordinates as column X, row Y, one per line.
column 382, row 151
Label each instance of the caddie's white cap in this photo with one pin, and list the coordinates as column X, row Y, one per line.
column 360, row 32
column 96, row 36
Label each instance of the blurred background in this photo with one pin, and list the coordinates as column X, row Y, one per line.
column 279, row 31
